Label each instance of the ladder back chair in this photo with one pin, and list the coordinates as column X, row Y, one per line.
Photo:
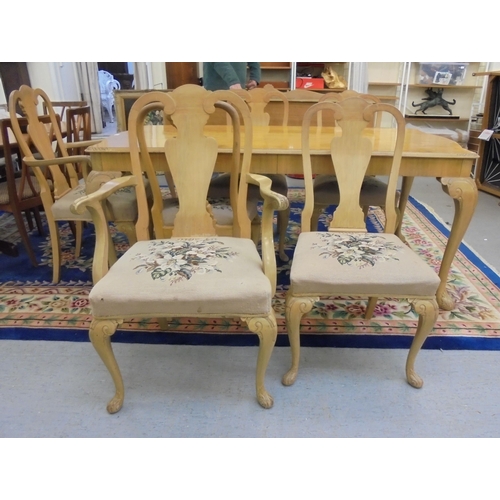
column 195, row 272
column 46, row 142
column 347, row 260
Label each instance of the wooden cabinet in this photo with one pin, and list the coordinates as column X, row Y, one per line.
column 282, row 75
column 180, row 73
column 488, row 165
column 278, row 74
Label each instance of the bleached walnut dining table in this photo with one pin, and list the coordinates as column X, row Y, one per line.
column 278, row 150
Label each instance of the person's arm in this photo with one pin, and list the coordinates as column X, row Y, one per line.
column 254, row 75
column 227, row 73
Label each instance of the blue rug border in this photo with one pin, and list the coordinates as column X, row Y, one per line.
column 375, row 341
column 464, row 247
column 247, row 340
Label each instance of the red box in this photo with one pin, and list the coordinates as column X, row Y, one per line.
column 309, row 83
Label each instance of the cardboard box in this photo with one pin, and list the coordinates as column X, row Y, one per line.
column 309, row 83
column 441, row 73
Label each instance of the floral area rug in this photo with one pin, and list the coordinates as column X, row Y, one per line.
column 32, row 308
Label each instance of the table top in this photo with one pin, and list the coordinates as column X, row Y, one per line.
column 287, row 141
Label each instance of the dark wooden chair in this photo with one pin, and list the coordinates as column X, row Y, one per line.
column 21, row 191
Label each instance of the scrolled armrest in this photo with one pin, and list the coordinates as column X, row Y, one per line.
column 277, row 201
column 31, row 162
column 107, row 189
column 272, row 201
column 93, row 203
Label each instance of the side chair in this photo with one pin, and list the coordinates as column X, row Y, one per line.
column 21, row 191
column 78, row 130
column 346, row 260
column 63, row 187
column 258, row 99
column 191, row 271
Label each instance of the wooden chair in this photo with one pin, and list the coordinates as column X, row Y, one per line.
column 257, row 100
column 346, row 260
column 326, row 188
column 62, row 169
column 61, row 108
column 21, row 191
column 194, row 273
column 78, row 130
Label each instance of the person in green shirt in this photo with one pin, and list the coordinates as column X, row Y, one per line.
column 231, row 75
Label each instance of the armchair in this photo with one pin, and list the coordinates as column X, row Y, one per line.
column 195, row 272
column 64, row 187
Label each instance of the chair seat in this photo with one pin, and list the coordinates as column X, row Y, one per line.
column 326, row 191
column 184, row 276
column 364, row 264
column 27, row 192
column 222, row 211
column 219, row 187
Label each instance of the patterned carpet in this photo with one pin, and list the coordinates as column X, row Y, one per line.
column 31, row 308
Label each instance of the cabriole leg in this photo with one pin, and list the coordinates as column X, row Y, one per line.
column 267, row 330
column 296, row 307
column 100, row 336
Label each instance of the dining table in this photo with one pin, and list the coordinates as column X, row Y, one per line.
column 277, row 150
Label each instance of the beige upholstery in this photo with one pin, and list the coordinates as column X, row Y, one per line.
column 26, row 189
column 217, row 275
column 57, row 172
column 189, row 269
column 359, row 264
column 347, row 260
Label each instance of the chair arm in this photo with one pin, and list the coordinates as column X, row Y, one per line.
column 31, row 162
column 93, row 203
column 107, row 189
column 83, row 144
column 277, row 201
column 272, row 201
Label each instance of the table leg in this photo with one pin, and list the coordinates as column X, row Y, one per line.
column 403, row 200
column 464, row 194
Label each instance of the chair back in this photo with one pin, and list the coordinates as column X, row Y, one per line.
column 191, row 156
column 351, row 146
column 260, row 106
column 60, row 107
column 78, row 125
column 335, row 97
column 45, row 139
column 24, row 192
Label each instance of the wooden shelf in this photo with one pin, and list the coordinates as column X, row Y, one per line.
column 435, row 85
column 275, row 65
column 434, row 118
column 384, row 84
